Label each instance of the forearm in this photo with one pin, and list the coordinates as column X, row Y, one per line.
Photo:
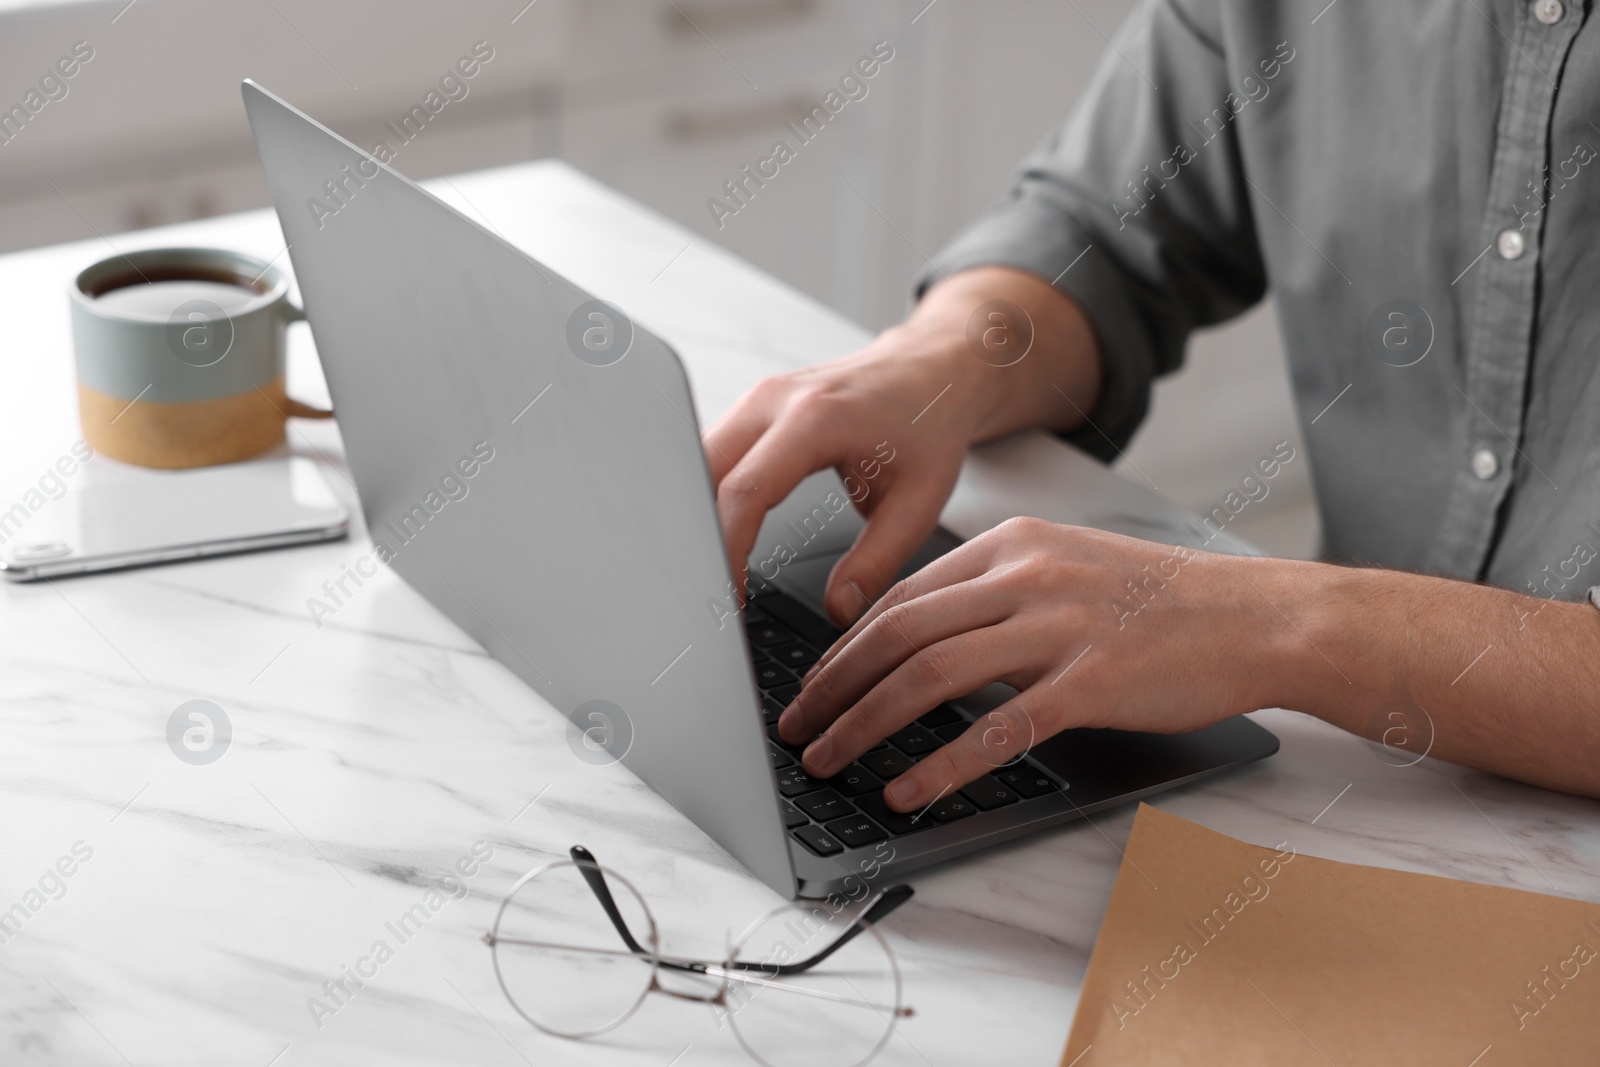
column 1468, row 673
column 1055, row 378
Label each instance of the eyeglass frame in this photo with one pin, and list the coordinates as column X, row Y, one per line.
column 730, row 970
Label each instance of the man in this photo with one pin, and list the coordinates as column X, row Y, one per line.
column 1417, row 185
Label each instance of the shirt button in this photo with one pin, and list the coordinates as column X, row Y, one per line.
column 1510, row 244
column 1485, row 464
column 1548, row 11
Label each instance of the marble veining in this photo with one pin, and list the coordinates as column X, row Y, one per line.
column 369, row 754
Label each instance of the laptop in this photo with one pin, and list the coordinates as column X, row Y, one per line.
column 528, row 459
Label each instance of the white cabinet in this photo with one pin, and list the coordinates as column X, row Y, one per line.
column 750, row 173
column 152, row 128
column 701, row 111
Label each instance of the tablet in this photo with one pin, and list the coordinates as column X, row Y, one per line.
column 111, row 515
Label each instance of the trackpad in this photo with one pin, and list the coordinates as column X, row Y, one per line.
column 1097, row 765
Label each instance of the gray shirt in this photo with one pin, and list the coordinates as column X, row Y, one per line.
column 1418, row 184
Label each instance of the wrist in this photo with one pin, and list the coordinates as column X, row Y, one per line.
column 1024, row 351
column 1317, row 655
column 934, row 347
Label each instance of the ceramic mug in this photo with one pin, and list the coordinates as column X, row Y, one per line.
column 180, row 356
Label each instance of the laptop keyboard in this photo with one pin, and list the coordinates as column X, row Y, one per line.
column 847, row 811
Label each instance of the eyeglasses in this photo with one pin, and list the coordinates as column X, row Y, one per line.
column 800, row 985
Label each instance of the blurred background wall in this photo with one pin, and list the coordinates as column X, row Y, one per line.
column 664, row 99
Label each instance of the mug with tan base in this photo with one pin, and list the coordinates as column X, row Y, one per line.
column 180, row 356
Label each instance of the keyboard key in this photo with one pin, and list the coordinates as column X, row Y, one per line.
column 780, row 759
column 914, row 740
column 792, row 816
column 797, row 656
column 949, row 733
column 785, row 694
column 765, row 634
column 950, row 807
column 792, row 782
column 989, row 794
column 784, row 746
column 855, row 780
column 753, row 614
column 856, row 831
column 770, row 709
column 758, row 657
column 1027, row 782
column 770, row 675
column 895, row 822
column 811, row 627
column 887, row 763
column 825, row 804
column 943, row 715
column 818, row 840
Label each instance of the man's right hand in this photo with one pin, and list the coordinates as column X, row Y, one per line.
column 987, row 352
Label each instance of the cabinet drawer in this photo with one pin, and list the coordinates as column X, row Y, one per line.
column 795, row 219
column 754, row 39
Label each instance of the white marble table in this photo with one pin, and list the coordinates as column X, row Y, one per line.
column 372, row 752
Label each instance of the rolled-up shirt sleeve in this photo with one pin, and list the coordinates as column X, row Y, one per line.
column 1133, row 210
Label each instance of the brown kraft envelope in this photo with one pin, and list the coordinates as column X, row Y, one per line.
column 1217, row 952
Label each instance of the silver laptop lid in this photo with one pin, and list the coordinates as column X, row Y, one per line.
column 577, row 538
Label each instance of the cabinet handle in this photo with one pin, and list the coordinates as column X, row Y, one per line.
column 693, row 126
column 693, row 19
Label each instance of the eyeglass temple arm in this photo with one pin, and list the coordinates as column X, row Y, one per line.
column 880, row 909
column 589, row 867
column 887, row 902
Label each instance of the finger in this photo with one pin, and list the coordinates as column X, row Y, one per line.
column 905, row 518
column 731, row 436
column 942, row 671
column 785, row 456
column 998, row 738
column 893, row 638
column 963, row 564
